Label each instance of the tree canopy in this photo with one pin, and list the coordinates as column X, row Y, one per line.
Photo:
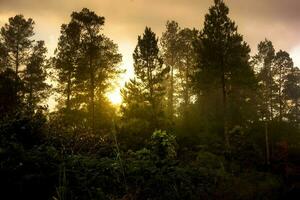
column 202, row 118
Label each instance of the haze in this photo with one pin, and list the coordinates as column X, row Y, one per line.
column 126, row 19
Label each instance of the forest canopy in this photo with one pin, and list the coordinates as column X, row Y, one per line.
column 202, row 118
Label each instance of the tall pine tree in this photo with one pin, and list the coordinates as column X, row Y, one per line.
column 16, row 36
column 35, row 75
column 186, row 69
column 150, row 74
column 170, row 47
column 98, row 63
column 66, row 63
column 283, row 65
column 224, row 71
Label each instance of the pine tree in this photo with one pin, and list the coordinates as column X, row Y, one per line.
column 283, row 65
column 223, row 67
column 90, row 25
column 66, row 62
column 9, row 100
column 186, row 68
column 3, row 58
column 150, row 75
column 292, row 93
column 99, row 59
column 264, row 61
column 170, row 49
column 35, row 75
column 272, row 71
column 16, row 37
column 134, row 104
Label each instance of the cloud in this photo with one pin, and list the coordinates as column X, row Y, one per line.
column 276, row 20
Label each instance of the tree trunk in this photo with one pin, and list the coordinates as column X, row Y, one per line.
column 186, row 93
column 68, row 91
column 154, row 120
column 280, row 94
column 224, row 98
column 171, row 92
column 297, row 113
column 267, row 143
column 30, row 96
column 269, row 88
column 92, row 91
column 17, row 71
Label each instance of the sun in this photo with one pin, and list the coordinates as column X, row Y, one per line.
column 295, row 54
column 115, row 97
column 126, row 48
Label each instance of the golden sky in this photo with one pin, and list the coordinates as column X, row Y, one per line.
column 277, row 20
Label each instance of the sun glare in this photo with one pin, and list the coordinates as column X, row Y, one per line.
column 295, row 54
column 125, row 49
column 115, row 97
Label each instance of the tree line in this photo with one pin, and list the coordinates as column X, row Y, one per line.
column 200, row 85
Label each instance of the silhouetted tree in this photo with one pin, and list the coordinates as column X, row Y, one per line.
column 151, row 75
column 150, row 71
column 186, row 69
column 99, row 59
column 292, row 92
column 3, row 57
column 90, row 25
column 16, row 36
column 9, row 99
column 136, row 116
column 35, row 75
column 170, row 50
column 212, row 90
column 264, row 61
column 283, row 65
column 134, row 102
column 66, row 62
column 223, row 66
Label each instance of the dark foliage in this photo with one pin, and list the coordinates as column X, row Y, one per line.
column 201, row 120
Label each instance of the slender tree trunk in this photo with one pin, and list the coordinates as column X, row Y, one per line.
column 68, row 91
column 280, row 95
column 270, row 89
column 17, row 62
column 186, row 92
column 92, row 91
column 271, row 106
column 269, row 115
column 17, row 66
column 171, row 92
column 267, row 143
column 152, row 100
column 154, row 121
column 269, row 118
column 297, row 113
column 30, row 96
column 17, row 71
column 280, row 107
column 224, row 99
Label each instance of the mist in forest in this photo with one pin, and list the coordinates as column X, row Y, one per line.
column 135, row 99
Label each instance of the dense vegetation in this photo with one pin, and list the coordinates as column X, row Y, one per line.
column 201, row 119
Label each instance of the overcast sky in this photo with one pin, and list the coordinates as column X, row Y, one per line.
column 277, row 20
